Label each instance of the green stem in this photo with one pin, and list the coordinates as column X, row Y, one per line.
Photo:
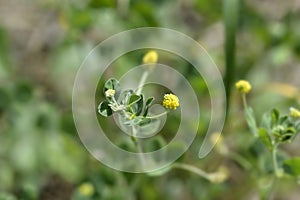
column 269, row 193
column 244, row 101
column 241, row 160
column 133, row 133
column 230, row 13
column 192, row 169
column 142, row 82
column 274, row 159
column 138, row 146
column 157, row 116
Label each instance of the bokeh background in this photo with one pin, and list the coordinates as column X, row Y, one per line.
column 43, row 43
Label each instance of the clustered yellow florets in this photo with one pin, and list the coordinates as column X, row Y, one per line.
column 243, row 86
column 170, row 101
column 110, row 93
column 295, row 113
column 150, row 57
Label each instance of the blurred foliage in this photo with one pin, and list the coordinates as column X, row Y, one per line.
column 43, row 43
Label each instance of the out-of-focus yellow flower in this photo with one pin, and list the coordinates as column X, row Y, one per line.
column 243, row 86
column 295, row 113
column 110, row 93
column 220, row 176
column 86, row 189
column 150, row 57
column 216, row 138
column 170, row 101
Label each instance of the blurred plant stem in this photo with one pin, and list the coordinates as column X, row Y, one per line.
column 142, row 81
column 274, row 159
column 244, row 101
column 230, row 12
column 215, row 177
column 240, row 160
column 192, row 169
column 138, row 146
column 267, row 189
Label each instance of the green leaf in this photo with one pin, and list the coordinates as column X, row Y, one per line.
column 266, row 121
column 287, row 137
column 147, row 105
column 140, row 105
column 133, row 99
column 297, row 126
column 284, row 120
column 111, row 84
column 136, row 103
column 124, row 96
column 291, row 130
column 251, row 120
column 265, row 138
column 104, row 109
column 292, row 166
column 275, row 117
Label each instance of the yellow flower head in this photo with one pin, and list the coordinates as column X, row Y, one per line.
column 110, row 93
column 150, row 57
column 170, row 101
column 295, row 113
column 86, row 189
column 243, row 86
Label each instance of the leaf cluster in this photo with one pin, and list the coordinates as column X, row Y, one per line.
column 133, row 107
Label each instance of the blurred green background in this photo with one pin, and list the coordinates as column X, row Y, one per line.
column 43, row 43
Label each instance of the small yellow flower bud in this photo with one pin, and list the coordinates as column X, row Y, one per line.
column 243, row 86
column 295, row 113
column 110, row 93
column 170, row 101
column 86, row 189
column 220, row 176
column 150, row 57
